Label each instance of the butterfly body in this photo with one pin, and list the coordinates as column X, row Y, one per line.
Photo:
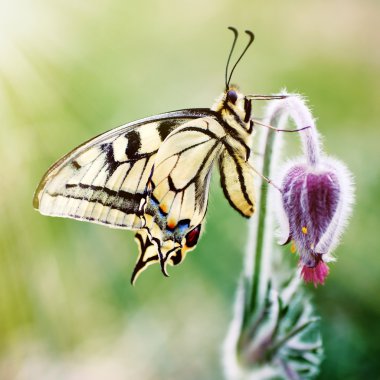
column 153, row 175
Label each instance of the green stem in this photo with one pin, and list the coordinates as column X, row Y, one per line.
column 262, row 214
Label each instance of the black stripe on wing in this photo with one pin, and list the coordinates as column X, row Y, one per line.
column 240, row 172
column 88, row 173
column 168, row 122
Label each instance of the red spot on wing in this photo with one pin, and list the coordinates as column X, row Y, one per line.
column 193, row 236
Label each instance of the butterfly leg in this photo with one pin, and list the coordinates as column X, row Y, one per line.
column 266, row 179
column 255, row 121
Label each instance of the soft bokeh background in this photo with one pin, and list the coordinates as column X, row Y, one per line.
column 71, row 69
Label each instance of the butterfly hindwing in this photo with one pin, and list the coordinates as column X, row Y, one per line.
column 148, row 254
column 104, row 180
column 180, row 178
column 179, row 186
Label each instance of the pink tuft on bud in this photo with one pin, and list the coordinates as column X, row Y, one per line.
column 317, row 275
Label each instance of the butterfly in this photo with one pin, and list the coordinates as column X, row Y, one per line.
column 153, row 175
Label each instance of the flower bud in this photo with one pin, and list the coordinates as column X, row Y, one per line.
column 316, row 194
column 316, row 201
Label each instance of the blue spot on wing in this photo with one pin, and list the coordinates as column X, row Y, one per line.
column 183, row 226
column 181, row 229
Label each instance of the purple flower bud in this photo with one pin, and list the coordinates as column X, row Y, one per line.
column 310, row 200
column 316, row 194
column 316, row 201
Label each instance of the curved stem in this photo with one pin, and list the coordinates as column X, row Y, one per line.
column 262, row 212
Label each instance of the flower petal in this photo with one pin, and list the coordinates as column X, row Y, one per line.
column 317, row 274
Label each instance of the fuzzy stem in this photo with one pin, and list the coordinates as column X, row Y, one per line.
column 277, row 115
column 262, row 230
column 295, row 107
column 262, row 212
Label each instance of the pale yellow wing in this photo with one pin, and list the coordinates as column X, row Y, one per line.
column 104, row 180
column 178, row 192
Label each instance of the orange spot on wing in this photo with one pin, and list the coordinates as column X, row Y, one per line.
column 164, row 208
column 171, row 223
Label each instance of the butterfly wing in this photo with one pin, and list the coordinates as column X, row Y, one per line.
column 105, row 179
column 151, row 175
column 178, row 193
column 237, row 181
column 148, row 254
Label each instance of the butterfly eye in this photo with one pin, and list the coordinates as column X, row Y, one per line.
column 232, row 96
column 193, row 236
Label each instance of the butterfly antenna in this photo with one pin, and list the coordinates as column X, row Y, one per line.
column 236, row 34
column 251, row 38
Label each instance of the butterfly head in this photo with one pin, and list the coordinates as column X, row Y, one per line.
column 238, row 104
column 234, row 108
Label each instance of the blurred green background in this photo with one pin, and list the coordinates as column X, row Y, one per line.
column 72, row 69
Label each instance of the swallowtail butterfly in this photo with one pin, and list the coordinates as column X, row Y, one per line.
column 153, row 175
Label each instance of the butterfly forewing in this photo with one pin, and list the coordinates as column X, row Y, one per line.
column 105, row 180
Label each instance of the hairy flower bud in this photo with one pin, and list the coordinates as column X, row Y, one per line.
column 316, row 198
column 316, row 201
